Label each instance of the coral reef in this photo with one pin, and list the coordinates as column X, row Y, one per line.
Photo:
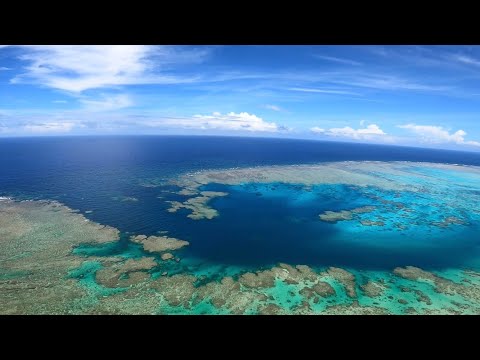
column 319, row 290
column 198, row 205
column 355, row 309
column 46, row 271
column 167, row 256
column 227, row 294
column 470, row 292
column 177, row 290
column 36, row 241
column 126, row 273
column 345, row 278
column 373, row 288
column 159, row 243
column 335, row 216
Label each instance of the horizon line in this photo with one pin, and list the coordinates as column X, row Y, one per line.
column 236, row 136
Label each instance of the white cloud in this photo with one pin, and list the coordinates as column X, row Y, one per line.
column 50, row 127
column 338, row 60
column 437, row 134
column 466, row 60
column 3, row 68
column 232, row 121
column 388, row 83
column 107, row 103
column 3, row 128
column 76, row 68
column 273, row 107
column 323, row 91
column 60, row 101
column 317, row 130
column 371, row 132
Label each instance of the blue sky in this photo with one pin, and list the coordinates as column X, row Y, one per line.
column 406, row 95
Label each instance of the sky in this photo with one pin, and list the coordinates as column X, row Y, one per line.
column 426, row 96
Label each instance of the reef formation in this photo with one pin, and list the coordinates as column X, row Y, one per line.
column 198, row 205
column 42, row 273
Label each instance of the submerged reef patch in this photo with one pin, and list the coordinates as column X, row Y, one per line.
column 449, row 220
column 159, row 243
column 126, row 273
column 373, row 288
column 198, row 205
column 354, row 309
column 167, row 256
column 345, row 278
column 317, row 291
column 468, row 292
column 228, row 294
column 177, row 290
column 335, row 216
column 125, row 198
column 348, row 173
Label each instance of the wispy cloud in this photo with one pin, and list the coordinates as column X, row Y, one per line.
column 107, row 103
column 445, row 57
column 323, row 91
column 232, row 121
column 59, row 101
column 338, row 60
column 350, row 82
column 272, row 107
column 371, row 132
column 415, row 54
column 79, row 68
column 50, row 127
column 437, row 134
column 388, row 83
column 3, row 68
column 3, row 127
column 76, row 68
column 466, row 59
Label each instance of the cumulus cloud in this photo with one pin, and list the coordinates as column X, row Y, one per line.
column 371, row 132
column 437, row 134
column 317, row 130
column 50, row 127
column 232, row 121
column 76, row 68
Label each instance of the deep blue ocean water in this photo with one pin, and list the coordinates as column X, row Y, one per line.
column 102, row 175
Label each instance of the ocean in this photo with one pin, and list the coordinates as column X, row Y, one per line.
column 129, row 183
